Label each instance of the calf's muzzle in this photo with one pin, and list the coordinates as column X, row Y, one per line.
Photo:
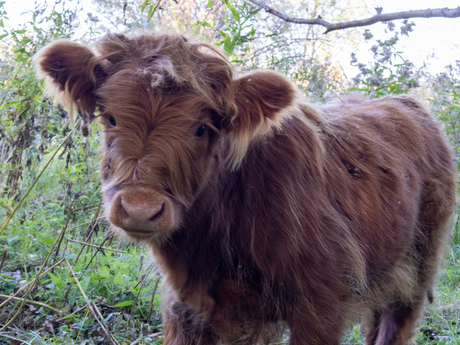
column 142, row 212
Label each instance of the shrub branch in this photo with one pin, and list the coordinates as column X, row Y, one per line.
column 379, row 17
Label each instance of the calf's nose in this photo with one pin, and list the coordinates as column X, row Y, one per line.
column 139, row 215
column 141, row 211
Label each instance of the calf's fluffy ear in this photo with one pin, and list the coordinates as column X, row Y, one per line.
column 72, row 73
column 261, row 102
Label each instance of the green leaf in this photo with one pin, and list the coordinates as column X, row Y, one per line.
column 6, row 276
column 56, row 280
column 235, row 13
column 229, row 45
column 47, row 241
column 104, row 272
column 210, row 4
column 151, row 12
column 118, row 279
column 124, row 304
column 206, row 24
column 144, row 5
column 223, row 33
column 11, row 239
column 85, row 282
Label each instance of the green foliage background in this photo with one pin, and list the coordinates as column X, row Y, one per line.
column 67, row 292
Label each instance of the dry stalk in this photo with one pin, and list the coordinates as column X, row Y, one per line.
column 91, row 306
column 149, row 315
column 141, row 262
column 154, row 335
column 31, row 302
column 5, row 250
column 97, row 251
column 94, row 221
column 14, row 340
column 75, row 312
column 95, row 246
column 140, row 282
column 64, row 229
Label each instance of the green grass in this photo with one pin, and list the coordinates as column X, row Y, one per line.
column 441, row 324
column 441, row 321
column 62, row 212
column 118, row 284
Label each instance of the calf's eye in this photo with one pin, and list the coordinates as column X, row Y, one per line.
column 201, row 131
column 112, row 121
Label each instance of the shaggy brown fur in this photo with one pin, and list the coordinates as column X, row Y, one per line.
column 261, row 210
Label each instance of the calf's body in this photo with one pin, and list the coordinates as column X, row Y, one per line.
column 262, row 211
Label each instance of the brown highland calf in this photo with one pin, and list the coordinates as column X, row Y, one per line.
column 262, row 211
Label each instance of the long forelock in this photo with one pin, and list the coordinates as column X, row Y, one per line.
column 152, row 121
column 168, row 62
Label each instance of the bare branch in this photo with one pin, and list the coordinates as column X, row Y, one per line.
column 95, row 246
column 381, row 17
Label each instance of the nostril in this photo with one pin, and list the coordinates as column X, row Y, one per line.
column 158, row 214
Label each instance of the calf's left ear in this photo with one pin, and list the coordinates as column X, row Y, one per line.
column 261, row 100
column 72, row 73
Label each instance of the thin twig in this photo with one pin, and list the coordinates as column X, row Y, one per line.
column 2, row 334
column 141, row 262
column 5, row 250
column 95, row 246
column 141, row 283
column 63, row 252
column 87, row 206
column 380, row 17
column 96, row 216
column 75, row 312
column 154, row 335
column 152, row 10
column 92, row 308
column 64, row 229
column 97, row 251
column 111, row 238
column 31, row 302
column 135, row 342
column 83, row 224
column 149, row 315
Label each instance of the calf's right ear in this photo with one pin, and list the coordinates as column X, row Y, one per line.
column 72, row 73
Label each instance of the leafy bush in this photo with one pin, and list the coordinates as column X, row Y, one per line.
column 389, row 73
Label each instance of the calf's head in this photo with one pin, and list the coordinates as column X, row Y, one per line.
column 173, row 116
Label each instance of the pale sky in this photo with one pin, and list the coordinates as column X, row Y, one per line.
column 434, row 36
column 438, row 36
